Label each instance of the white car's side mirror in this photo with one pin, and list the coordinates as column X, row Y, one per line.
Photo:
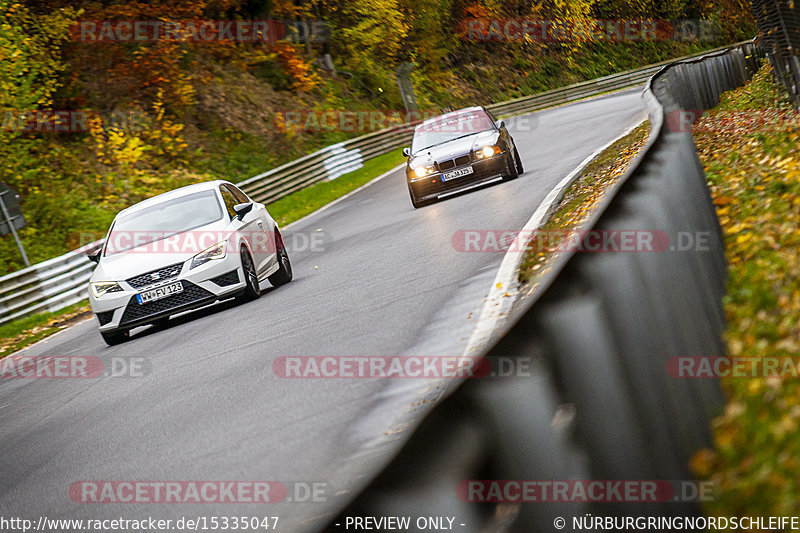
column 242, row 209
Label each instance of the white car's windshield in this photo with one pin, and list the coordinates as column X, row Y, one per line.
column 448, row 128
column 163, row 219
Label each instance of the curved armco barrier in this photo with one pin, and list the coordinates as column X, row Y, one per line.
column 598, row 402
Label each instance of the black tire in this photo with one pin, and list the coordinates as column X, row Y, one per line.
column 518, row 162
column 252, row 290
column 118, row 336
column 284, row 274
column 511, row 165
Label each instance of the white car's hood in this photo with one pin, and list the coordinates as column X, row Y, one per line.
column 138, row 260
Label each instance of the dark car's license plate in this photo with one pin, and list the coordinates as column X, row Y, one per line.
column 456, row 173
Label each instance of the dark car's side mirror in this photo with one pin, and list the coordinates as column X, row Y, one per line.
column 94, row 257
column 242, row 209
column 500, row 124
column 406, row 152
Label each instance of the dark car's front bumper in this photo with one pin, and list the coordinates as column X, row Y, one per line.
column 483, row 171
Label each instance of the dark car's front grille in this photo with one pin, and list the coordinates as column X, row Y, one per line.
column 191, row 294
column 105, row 317
column 453, row 163
column 446, row 165
column 154, row 276
column 225, row 280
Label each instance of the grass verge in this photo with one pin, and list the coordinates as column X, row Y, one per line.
column 16, row 335
column 579, row 202
column 750, row 148
column 306, row 201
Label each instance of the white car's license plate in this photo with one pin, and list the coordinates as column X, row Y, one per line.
column 457, row 173
column 161, row 292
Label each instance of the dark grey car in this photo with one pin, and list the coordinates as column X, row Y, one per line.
column 459, row 151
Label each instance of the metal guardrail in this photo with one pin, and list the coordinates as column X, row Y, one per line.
column 779, row 27
column 599, row 329
column 56, row 283
column 47, row 286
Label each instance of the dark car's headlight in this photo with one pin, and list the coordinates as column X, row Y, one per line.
column 100, row 288
column 209, row 254
column 487, row 152
column 422, row 171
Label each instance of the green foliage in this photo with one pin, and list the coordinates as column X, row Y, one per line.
column 210, row 111
column 30, row 64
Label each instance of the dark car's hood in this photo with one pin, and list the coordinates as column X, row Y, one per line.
column 454, row 148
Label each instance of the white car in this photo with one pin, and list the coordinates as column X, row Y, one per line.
column 181, row 250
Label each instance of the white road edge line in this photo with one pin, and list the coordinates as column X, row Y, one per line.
column 505, row 288
column 351, row 193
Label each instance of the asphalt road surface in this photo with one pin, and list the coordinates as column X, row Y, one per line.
column 384, row 279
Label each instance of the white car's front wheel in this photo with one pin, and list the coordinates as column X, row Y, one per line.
column 252, row 290
column 284, row 274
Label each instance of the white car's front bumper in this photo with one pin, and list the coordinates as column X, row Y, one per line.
column 215, row 280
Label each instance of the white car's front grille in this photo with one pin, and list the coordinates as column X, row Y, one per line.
column 143, row 280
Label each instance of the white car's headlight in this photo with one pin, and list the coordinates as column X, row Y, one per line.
column 100, row 288
column 217, row 251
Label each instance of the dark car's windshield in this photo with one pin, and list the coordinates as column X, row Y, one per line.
column 163, row 219
column 449, row 127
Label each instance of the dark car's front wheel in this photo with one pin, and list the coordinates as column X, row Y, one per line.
column 115, row 337
column 518, row 161
column 512, row 171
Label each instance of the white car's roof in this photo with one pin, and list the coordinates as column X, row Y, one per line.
column 177, row 193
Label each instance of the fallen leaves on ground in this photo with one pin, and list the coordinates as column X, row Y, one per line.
column 753, row 170
column 580, row 201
